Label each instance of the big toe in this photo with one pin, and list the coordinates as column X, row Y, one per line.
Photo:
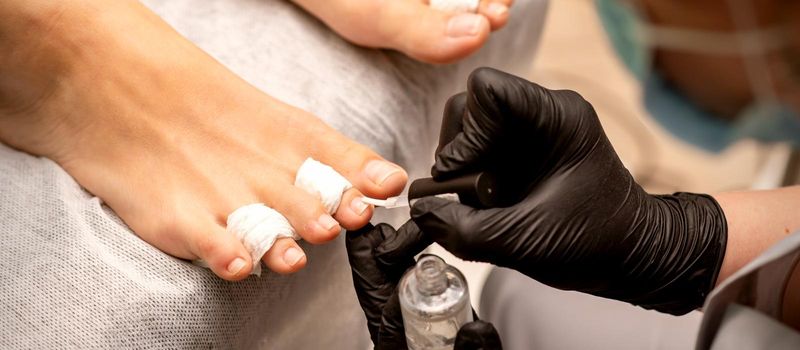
column 370, row 174
column 430, row 35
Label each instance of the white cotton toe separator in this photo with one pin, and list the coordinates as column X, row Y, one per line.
column 322, row 181
column 258, row 226
column 455, row 5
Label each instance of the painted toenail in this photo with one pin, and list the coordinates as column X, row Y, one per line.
column 327, row 222
column 292, row 256
column 466, row 24
column 358, row 206
column 497, row 9
column 378, row 171
column 236, row 266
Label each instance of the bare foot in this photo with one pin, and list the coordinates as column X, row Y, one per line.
column 171, row 140
column 411, row 26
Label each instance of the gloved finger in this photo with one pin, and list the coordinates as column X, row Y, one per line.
column 449, row 224
column 392, row 335
column 478, row 335
column 479, row 127
column 452, row 119
column 396, row 253
column 498, row 106
column 372, row 285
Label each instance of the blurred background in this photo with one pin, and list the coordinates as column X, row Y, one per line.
column 575, row 53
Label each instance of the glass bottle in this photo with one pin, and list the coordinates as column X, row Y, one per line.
column 434, row 301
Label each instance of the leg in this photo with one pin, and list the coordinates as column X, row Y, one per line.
column 151, row 127
column 67, row 248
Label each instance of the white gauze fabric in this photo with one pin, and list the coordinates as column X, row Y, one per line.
column 258, row 226
column 455, row 5
column 322, row 181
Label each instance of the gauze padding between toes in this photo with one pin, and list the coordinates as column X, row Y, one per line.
column 323, row 182
column 258, row 226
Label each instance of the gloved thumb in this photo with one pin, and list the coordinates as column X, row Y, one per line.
column 448, row 223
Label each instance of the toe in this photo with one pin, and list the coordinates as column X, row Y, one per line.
column 496, row 11
column 409, row 26
column 368, row 172
column 303, row 210
column 430, row 35
column 223, row 253
column 353, row 213
column 380, row 178
column 285, row 256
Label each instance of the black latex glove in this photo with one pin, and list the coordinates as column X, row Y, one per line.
column 378, row 258
column 581, row 222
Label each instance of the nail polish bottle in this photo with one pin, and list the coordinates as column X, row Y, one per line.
column 434, row 301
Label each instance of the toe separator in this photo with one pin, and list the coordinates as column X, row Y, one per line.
column 258, row 226
column 323, row 182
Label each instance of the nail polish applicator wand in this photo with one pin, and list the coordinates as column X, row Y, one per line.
column 476, row 190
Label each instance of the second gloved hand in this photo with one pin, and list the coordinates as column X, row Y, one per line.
column 579, row 221
column 378, row 258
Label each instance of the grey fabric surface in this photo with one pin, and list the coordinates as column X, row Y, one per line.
column 73, row 276
column 530, row 315
column 380, row 98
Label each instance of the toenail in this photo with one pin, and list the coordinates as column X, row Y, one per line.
column 358, row 206
column 236, row 266
column 455, row 6
column 497, row 9
column 378, row 171
column 292, row 256
column 466, row 24
column 327, row 222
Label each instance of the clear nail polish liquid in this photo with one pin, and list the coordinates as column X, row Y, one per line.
column 434, row 301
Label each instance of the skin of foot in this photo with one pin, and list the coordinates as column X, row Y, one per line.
column 411, row 26
column 166, row 136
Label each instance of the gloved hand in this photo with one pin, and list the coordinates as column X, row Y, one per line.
column 378, row 258
column 582, row 223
